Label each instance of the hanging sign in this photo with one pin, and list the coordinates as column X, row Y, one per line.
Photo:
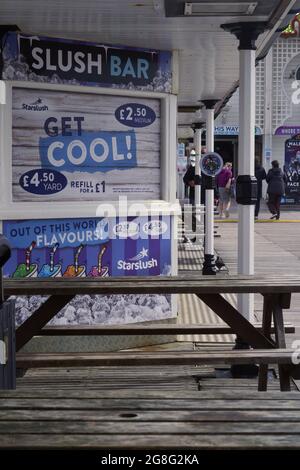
column 54, row 60
column 211, row 164
column 233, row 130
column 287, row 130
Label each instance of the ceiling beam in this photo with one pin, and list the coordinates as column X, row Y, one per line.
column 189, row 108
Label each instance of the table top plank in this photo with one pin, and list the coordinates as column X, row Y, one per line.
column 153, row 285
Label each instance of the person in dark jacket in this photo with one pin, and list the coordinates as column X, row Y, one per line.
column 276, row 189
column 260, row 175
column 190, row 181
column 189, row 178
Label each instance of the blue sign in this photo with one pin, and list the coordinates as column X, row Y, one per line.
column 135, row 115
column 181, row 150
column 56, row 60
column 232, row 130
column 79, row 248
column 43, row 181
column 89, row 152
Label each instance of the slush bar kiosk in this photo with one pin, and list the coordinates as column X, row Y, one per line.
column 88, row 170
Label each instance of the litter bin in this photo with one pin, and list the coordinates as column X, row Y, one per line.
column 7, row 328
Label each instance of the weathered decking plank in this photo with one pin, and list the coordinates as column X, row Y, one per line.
column 151, row 441
column 270, row 415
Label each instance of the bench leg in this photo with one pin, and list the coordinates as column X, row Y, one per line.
column 266, row 330
column 33, row 325
column 284, row 373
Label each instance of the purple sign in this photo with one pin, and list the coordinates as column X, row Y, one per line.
column 136, row 246
column 92, row 247
column 292, row 170
column 287, row 130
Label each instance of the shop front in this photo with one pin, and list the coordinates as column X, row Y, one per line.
column 87, row 131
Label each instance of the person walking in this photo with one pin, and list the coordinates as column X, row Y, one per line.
column 224, row 181
column 189, row 177
column 276, row 189
column 260, row 175
column 190, row 181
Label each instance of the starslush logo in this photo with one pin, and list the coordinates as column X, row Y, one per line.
column 138, row 262
column 35, row 106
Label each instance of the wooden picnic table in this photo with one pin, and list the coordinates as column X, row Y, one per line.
column 276, row 291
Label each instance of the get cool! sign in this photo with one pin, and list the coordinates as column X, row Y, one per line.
column 78, row 146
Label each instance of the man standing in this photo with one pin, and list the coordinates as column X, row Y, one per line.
column 190, row 180
column 189, row 177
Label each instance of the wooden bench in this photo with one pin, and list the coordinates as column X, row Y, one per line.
column 255, row 356
column 275, row 290
column 144, row 329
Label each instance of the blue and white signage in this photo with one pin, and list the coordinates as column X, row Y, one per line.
column 97, row 151
column 78, row 248
column 233, row 130
column 43, row 181
column 82, row 146
column 54, row 60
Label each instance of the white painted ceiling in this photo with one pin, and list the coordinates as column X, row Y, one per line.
column 208, row 56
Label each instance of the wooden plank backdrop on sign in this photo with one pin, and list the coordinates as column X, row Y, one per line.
column 98, row 111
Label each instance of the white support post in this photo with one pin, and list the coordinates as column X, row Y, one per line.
column 197, row 143
column 268, row 127
column 246, row 167
column 246, row 33
column 209, row 193
column 209, row 267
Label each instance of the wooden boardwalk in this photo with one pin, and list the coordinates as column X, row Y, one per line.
column 277, row 250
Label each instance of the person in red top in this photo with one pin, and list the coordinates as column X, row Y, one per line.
column 224, row 180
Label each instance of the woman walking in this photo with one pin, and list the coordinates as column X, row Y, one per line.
column 224, row 180
column 260, row 175
column 276, row 189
